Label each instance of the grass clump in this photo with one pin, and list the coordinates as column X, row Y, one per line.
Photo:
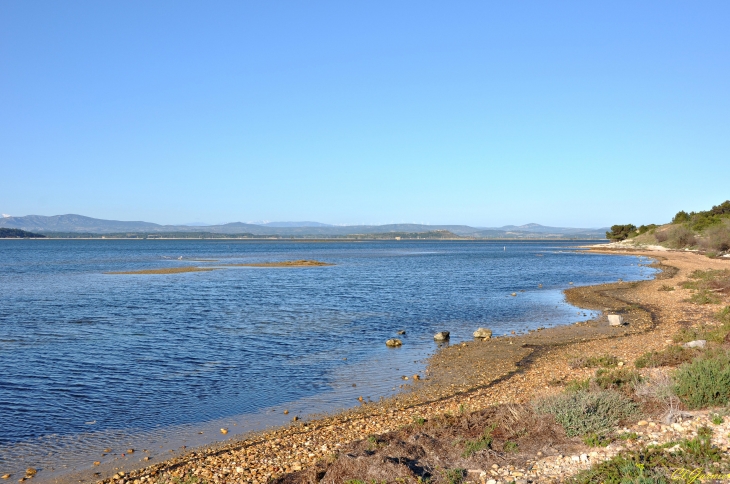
column 484, row 442
column 510, row 446
column 717, row 419
column 666, row 287
column 419, row 420
column 454, row 476
column 603, row 361
column 704, row 297
column 595, row 440
column 578, row 385
column 584, row 412
column 705, row 382
column 671, row 356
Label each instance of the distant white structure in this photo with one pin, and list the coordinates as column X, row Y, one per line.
column 5, row 215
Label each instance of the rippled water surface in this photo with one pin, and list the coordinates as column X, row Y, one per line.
column 89, row 360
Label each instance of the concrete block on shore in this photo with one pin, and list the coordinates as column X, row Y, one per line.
column 615, row 320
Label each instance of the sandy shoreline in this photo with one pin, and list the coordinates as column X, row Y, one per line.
column 471, row 376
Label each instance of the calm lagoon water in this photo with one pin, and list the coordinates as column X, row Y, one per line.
column 90, row 360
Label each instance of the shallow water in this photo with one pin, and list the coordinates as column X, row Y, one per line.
column 90, row 360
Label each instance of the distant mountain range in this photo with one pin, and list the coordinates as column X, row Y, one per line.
column 79, row 224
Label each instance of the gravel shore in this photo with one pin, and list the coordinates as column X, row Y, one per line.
column 470, row 377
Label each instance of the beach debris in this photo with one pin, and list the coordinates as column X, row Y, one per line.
column 698, row 343
column 295, row 418
column 224, row 431
column 483, row 333
column 615, row 320
column 286, row 412
column 404, row 377
column 130, row 451
column 402, row 331
column 394, row 342
column 30, row 472
column 107, row 450
column 416, row 376
column 96, row 463
column 442, row 336
column 6, row 476
column 513, row 294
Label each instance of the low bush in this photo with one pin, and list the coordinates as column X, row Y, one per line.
column 671, row 356
column 621, row 379
column 718, row 238
column 680, row 237
column 654, row 464
column 705, row 382
column 595, row 440
column 584, row 412
column 604, row 361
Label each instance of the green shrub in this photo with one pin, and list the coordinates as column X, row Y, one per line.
column 717, row 419
column 705, row 382
column 578, row 385
column 621, row 232
column 595, row 440
column 584, row 412
column 623, row 378
column 671, row 356
column 653, row 464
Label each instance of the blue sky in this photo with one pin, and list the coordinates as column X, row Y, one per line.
column 481, row 113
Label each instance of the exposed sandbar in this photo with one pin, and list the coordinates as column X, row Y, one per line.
column 286, row 263
column 166, row 270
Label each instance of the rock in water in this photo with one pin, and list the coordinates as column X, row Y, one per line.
column 441, row 336
column 483, row 333
column 615, row 320
column 394, row 342
column 698, row 343
column 402, row 331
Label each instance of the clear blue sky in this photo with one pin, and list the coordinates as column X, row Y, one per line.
column 483, row 113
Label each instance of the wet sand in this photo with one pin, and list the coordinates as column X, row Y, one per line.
column 467, row 376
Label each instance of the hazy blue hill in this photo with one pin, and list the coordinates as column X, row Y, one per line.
column 65, row 224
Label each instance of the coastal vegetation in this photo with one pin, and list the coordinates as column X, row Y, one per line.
column 18, row 234
column 707, row 231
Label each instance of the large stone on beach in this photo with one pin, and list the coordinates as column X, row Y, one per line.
column 615, row 320
column 483, row 333
column 441, row 336
column 394, row 342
